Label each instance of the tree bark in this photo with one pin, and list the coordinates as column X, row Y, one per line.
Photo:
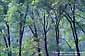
column 73, row 27
column 75, row 32
column 57, row 36
column 9, row 41
column 21, row 31
column 45, row 36
column 36, row 36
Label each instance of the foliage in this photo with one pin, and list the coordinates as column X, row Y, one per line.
column 31, row 21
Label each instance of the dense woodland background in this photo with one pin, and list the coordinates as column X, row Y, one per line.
column 42, row 27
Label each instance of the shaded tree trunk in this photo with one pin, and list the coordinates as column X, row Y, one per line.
column 21, row 36
column 36, row 35
column 5, row 41
column 37, row 39
column 57, row 36
column 45, row 36
column 73, row 27
column 6, row 44
column 8, row 33
column 21, row 31
column 9, row 41
column 75, row 32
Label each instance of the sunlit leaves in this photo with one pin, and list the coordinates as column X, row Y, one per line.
column 29, row 21
column 10, row 13
column 29, row 46
column 1, row 10
column 82, row 38
column 72, row 44
column 34, row 2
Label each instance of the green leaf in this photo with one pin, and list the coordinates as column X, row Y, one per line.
column 29, row 21
column 10, row 13
column 1, row 9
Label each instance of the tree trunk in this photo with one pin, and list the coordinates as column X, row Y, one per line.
column 75, row 33
column 46, row 49
column 57, row 38
column 45, row 37
column 9, row 41
column 36, row 35
column 57, row 41
column 21, row 36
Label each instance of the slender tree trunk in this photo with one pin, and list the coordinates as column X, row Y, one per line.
column 36, row 35
column 20, row 46
column 5, row 42
column 57, row 41
column 6, row 45
column 75, row 38
column 8, row 34
column 21, row 36
column 57, row 36
column 75, row 33
column 21, row 31
column 73, row 27
column 46, row 49
column 45, row 35
column 9, row 41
